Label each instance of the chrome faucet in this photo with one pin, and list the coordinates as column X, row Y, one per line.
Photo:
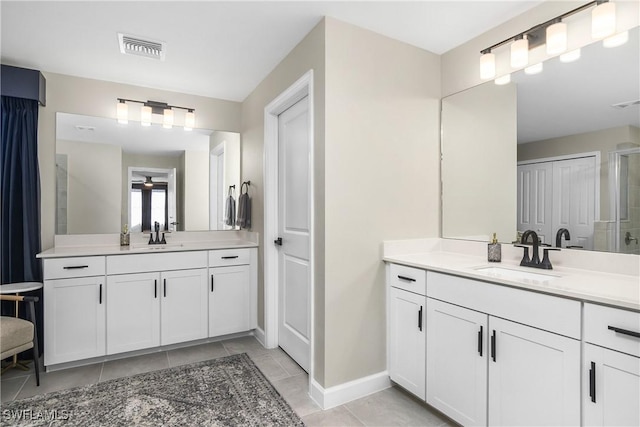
column 562, row 232
column 534, row 261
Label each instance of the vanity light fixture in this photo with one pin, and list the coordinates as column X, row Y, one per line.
column 556, row 38
column 617, row 40
column 487, row 65
column 570, row 56
column 154, row 107
column 534, row 69
column 553, row 33
column 503, row 80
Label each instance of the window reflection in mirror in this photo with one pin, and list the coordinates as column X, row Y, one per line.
column 571, row 139
column 101, row 166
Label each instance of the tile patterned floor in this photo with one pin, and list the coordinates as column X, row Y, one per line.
column 390, row 407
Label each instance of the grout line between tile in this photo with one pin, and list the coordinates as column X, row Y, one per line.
column 101, row 370
column 352, row 413
column 21, row 387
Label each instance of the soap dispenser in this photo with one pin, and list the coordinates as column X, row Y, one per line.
column 494, row 250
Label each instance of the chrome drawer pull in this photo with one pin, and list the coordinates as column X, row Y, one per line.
column 74, row 267
column 625, row 331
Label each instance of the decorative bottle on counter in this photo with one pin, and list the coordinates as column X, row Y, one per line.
column 494, row 250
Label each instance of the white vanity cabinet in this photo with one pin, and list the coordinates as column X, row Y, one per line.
column 74, row 309
column 611, row 370
column 232, row 297
column 165, row 306
column 531, row 345
column 406, row 326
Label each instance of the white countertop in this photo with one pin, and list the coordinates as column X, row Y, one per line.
column 618, row 290
column 141, row 248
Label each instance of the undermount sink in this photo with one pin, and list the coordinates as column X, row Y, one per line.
column 508, row 273
column 165, row 247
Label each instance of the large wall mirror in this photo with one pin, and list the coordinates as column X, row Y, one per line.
column 553, row 150
column 110, row 174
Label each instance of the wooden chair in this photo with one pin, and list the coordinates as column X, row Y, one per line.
column 18, row 335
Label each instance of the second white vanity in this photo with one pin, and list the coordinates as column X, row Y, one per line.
column 504, row 345
column 104, row 301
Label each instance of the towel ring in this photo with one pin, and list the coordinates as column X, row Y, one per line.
column 247, row 183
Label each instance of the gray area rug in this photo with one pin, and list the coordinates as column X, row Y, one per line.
column 230, row 391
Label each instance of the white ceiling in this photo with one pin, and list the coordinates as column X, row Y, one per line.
column 219, row 49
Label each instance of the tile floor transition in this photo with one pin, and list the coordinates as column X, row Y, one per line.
column 390, row 407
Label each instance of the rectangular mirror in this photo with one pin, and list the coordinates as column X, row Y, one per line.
column 558, row 149
column 110, row 174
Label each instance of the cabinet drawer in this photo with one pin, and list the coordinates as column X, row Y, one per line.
column 225, row 257
column 66, row 268
column 598, row 321
column 408, row 278
column 142, row 263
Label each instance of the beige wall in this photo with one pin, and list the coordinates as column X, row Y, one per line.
column 602, row 141
column 93, row 197
column 76, row 95
column 460, row 66
column 382, row 162
column 479, row 127
column 196, row 190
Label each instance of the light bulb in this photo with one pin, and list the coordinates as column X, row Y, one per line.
column 122, row 113
column 556, row 38
column 617, row 40
column 520, row 53
column 189, row 120
column 487, row 66
column 534, row 69
column 571, row 56
column 167, row 118
column 503, row 80
column 603, row 20
column 145, row 116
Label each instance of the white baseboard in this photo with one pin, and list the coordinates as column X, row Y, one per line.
column 343, row 393
column 259, row 334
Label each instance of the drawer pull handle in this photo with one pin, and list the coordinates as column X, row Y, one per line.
column 100, row 298
column 230, row 257
column 75, row 267
column 493, row 345
column 480, row 341
column 624, row 331
column 408, row 279
column 212, row 283
column 420, row 319
column 165, row 288
column 592, row 382
column 155, row 288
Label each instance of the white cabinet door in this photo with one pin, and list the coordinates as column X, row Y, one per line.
column 534, row 376
column 407, row 340
column 457, row 362
column 535, row 195
column 611, row 391
column 183, row 309
column 229, row 300
column 133, row 312
column 74, row 311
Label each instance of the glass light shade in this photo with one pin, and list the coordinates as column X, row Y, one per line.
column 145, row 116
column 617, row 40
column 556, row 38
column 571, row 56
column 519, row 53
column 122, row 113
column 189, row 120
column 503, row 80
column 603, row 20
column 534, row 69
column 487, row 66
column 167, row 118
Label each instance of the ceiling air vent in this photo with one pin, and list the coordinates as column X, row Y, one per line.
column 130, row 45
column 623, row 105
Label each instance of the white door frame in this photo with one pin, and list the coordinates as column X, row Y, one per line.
column 214, row 185
column 301, row 88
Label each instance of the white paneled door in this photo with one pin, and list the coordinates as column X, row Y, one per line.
column 294, row 227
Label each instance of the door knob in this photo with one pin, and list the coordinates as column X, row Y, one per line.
column 278, row 241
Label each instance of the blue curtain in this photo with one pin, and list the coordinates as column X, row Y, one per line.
column 20, row 191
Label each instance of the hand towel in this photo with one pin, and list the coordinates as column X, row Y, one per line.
column 230, row 211
column 244, row 210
